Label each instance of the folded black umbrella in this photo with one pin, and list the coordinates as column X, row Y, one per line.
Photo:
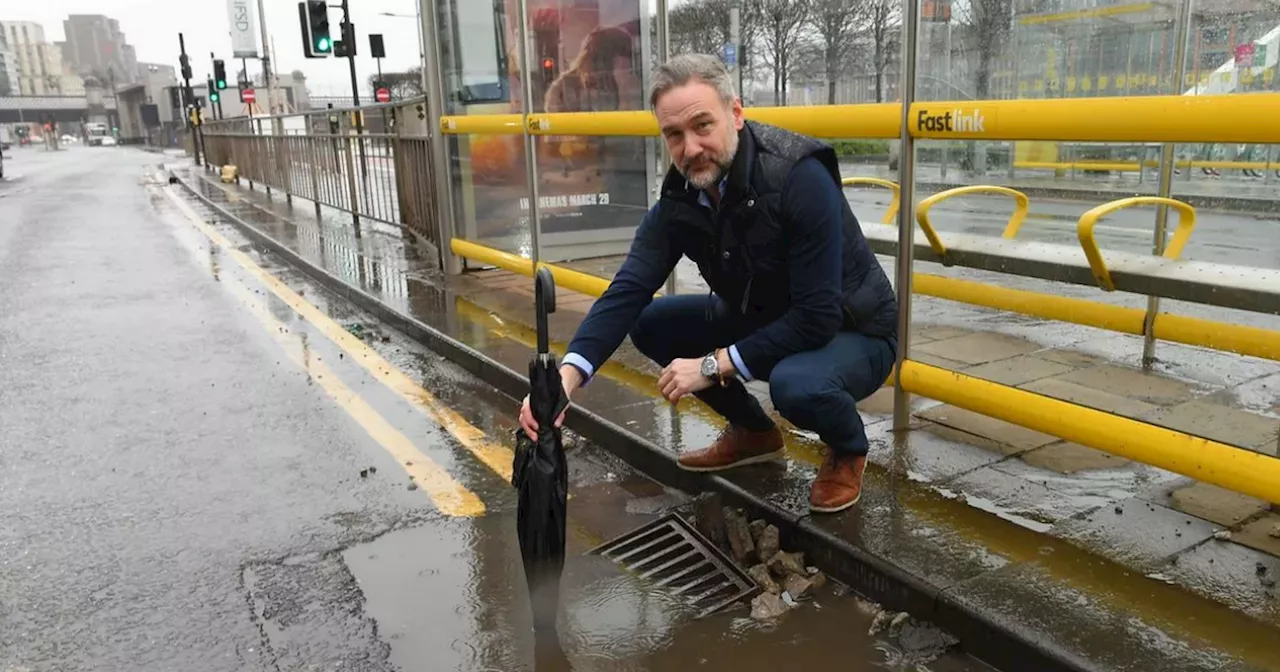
column 541, row 474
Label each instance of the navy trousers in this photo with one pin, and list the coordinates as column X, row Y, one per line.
column 814, row 390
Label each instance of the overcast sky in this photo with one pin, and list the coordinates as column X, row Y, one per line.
column 152, row 26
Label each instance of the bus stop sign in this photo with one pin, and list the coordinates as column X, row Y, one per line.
column 729, row 54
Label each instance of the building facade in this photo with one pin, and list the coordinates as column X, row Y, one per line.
column 8, row 69
column 96, row 46
column 36, row 63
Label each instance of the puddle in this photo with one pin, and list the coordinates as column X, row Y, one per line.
column 454, row 599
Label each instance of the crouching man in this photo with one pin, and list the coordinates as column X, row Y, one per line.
column 797, row 297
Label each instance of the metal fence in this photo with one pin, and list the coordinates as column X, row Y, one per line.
column 322, row 157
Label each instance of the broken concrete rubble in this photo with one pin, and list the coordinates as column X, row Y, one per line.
column 767, row 543
column 797, row 586
column 816, row 578
column 784, row 564
column 708, row 519
column 760, row 574
column 741, row 545
column 767, row 605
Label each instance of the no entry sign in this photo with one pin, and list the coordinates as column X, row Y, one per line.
column 249, row 95
column 383, row 95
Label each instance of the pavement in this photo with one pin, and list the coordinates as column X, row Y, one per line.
column 209, row 461
column 1027, row 547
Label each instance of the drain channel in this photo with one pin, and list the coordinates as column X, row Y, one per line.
column 672, row 553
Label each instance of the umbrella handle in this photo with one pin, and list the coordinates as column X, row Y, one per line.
column 544, row 291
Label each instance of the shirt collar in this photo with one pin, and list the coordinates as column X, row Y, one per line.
column 705, row 200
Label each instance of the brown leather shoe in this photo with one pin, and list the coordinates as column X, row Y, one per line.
column 838, row 485
column 735, row 447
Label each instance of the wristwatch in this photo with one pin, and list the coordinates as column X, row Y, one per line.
column 711, row 369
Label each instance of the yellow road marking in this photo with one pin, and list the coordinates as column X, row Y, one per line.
column 495, row 456
column 447, row 494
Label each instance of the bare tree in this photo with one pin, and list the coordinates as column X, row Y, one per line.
column 835, row 24
column 703, row 26
column 698, row 27
column 990, row 27
column 781, row 37
column 882, row 20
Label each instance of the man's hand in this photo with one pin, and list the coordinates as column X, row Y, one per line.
column 682, row 377
column 571, row 379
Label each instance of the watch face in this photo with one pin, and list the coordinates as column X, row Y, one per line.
column 709, row 367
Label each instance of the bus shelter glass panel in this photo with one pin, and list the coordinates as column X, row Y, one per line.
column 591, row 56
column 1031, row 191
column 481, row 72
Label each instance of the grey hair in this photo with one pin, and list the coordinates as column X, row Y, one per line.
column 682, row 69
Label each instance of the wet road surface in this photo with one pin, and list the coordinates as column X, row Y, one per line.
column 206, row 463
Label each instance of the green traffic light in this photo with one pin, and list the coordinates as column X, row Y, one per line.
column 322, row 44
column 213, row 97
column 222, row 83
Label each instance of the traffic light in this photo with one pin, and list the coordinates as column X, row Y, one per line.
column 314, row 16
column 186, row 66
column 548, row 70
column 347, row 45
column 220, row 74
column 213, row 92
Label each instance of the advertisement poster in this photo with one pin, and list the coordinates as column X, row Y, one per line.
column 588, row 56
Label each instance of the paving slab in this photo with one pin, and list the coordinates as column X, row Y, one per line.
column 1018, row 500
column 1069, row 357
column 1215, row 504
column 1018, row 439
column 1066, row 457
column 1084, row 395
column 1228, row 573
column 1018, row 370
column 979, row 348
column 939, row 333
column 1262, row 534
column 1055, row 602
column 1131, row 383
column 935, row 360
column 1261, row 395
column 1219, row 423
column 932, row 453
column 1136, row 532
column 910, row 526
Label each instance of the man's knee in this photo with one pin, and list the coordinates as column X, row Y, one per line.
column 795, row 391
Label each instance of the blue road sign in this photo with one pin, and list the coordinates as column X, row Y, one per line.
column 729, row 54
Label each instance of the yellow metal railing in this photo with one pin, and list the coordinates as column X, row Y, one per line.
column 1186, row 222
column 891, row 214
column 1237, row 469
column 1021, row 204
column 1197, row 119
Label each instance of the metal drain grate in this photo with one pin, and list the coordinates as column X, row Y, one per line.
column 669, row 551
